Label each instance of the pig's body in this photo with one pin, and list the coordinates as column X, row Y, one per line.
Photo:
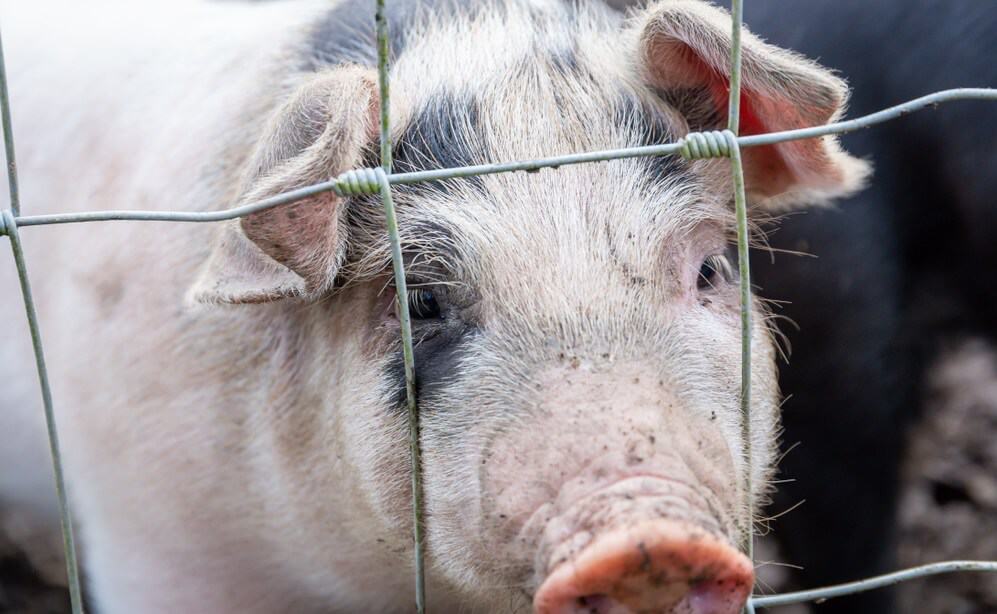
column 157, row 449
column 578, row 344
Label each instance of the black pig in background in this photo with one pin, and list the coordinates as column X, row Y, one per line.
column 900, row 269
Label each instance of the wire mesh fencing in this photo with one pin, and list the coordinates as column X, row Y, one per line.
column 379, row 181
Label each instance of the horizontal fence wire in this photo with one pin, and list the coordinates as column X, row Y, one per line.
column 379, row 181
column 336, row 183
column 819, row 595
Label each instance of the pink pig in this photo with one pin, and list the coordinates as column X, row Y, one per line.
column 231, row 397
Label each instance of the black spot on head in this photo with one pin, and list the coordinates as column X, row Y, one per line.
column 651, row 127
column 347, row 33
column 565, row 60
column 437, row 361
column 437, row 137
column 441, row 135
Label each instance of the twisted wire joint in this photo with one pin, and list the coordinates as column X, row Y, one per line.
column 702, row 145
column 359, row 181
column 7, row 222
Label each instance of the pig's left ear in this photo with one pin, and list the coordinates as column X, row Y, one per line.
column 685, row 45
column 294, row 250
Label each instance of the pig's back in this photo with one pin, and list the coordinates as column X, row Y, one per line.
column 118, row 105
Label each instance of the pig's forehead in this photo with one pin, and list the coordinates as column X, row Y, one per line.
column 623, row 207
column 574, row 226
column 489, row 44
column 530, row 80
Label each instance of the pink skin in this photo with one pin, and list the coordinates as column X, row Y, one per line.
column 657, row 566
column 633, row 508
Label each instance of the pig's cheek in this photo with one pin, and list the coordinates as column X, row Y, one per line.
column 508, row 501
column 380, row 436
column 375, row 430
column 723, row 301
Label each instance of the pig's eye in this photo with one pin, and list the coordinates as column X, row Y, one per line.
column 715, row 270
column 422, row 304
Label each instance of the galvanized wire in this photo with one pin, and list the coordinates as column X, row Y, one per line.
column 401, row 297
column 734, row 99
column 384, row 97
column 405, row 320
column 744, row 284
column 819, row 595
column 553, row 162
column 741, row 214
column 9, row 227
column 8, row 138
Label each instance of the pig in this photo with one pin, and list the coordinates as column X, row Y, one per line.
column 231, row 397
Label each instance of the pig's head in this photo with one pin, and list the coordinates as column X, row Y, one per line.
column 577, row 338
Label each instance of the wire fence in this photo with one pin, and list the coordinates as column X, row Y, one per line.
column 725, row 143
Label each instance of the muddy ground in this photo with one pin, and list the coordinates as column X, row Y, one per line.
column 948, row 511
column 949, row 502
column 949, row 507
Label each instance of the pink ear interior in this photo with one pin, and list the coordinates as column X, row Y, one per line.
column 769, row 170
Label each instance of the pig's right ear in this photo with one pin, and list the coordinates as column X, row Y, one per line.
column 294, row 250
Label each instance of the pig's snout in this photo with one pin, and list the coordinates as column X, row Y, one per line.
column 659, row 566
column 639, row 522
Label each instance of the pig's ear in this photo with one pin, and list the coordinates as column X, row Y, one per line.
column 685, row 50
column 294, row 250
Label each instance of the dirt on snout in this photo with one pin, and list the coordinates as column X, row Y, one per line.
column 948, row 506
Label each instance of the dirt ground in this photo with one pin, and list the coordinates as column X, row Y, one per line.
column 948, row 509
column 23, row 589
column 948, row 505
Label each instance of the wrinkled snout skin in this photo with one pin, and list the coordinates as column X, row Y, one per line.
column 231, row 398
column 626, row 500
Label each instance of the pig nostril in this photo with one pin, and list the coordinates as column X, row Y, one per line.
column 708, row 597
column 659, row 566
column 598, row 604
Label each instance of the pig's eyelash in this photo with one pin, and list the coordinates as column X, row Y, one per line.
column 715, row 268
column 423, row 305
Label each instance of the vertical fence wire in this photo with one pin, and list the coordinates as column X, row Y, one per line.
column 741, row 214
column 8, row 226
column 740, row 210
column 8, row 138
column 401, row 296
